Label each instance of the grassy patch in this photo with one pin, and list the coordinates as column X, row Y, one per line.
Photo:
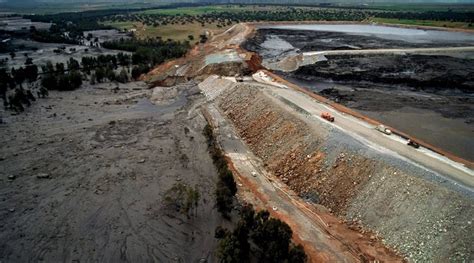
column 176, row 32
column 199, row 10
column 424, row 22
column 423, row 7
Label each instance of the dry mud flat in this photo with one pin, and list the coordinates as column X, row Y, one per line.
column 403, row 203
column 82, row 177
column 41, row 53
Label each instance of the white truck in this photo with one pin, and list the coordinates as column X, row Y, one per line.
column 382, row 128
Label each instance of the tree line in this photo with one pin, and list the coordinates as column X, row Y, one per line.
column 257, row 235
column 226, row 188
column 260, row 238
column 280, row 13
column 149, row 51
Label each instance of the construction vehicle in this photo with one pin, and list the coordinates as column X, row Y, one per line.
column 383, row 129
column 327, row 116
column 413, row 144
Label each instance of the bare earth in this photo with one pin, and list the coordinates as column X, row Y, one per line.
column 107, row 158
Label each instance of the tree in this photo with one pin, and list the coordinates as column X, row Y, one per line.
column 29, row 61
column 224, row 200
column 49, row 81
column 75, row 79
column 73, row 64
column 203, row 38
column 5, row 81
column 123, row 76
column 297, row 254
column 99, row 74
column 229, row 250
column 31, row 73
column 60, row 67
column 137, row 71
column 273, row 237
column 48, row 68
column 12, row 55
column 19, row 75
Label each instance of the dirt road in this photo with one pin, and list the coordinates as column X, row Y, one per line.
column 83, row 173
column 389, row 51
column 393, row 144
column 325, row 238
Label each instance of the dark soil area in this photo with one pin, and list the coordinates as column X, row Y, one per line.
column 306, row 40
column 434, row 73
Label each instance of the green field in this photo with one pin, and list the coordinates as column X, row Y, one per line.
column 196, row 10
column 423, row 7
column 423, row 23
column 50, row 8
column 176, row 32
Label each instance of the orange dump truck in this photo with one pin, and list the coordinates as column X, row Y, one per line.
column 327, row 116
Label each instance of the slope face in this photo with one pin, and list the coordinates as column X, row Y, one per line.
column 365, row 185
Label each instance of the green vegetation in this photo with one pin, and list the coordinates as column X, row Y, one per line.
column 199, row 10
column 19, row 96
column 177, row 32
column 259, row 236
column 58, row 78
column 177, row 23
column 226, row 187
column 418, row 22
column 150, row 51
column 181, row 198
column 420, row 7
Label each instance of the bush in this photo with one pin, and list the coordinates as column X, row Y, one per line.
column 122, row 76
column 181, row 198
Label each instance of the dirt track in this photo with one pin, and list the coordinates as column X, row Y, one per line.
column 324, row 237
column 389, row 51
column 356, row 179
column 107, row 158
column 456, row 172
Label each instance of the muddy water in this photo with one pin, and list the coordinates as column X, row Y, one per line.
column 387, row 32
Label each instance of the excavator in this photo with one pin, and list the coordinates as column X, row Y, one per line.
column 327, row 116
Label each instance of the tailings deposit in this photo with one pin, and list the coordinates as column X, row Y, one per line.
column 418, row 81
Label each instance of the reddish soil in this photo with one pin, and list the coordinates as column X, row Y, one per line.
column 349, row 111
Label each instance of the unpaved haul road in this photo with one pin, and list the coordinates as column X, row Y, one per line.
column 324, row 237
column 388, row 51
column 445, row 168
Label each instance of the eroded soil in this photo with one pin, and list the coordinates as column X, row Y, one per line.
column 82, row 177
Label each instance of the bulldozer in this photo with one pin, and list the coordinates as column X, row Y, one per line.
column 327, row 116
column 413, row 144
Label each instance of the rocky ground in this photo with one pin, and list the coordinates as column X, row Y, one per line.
column 83, row 174
column 424, row 220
